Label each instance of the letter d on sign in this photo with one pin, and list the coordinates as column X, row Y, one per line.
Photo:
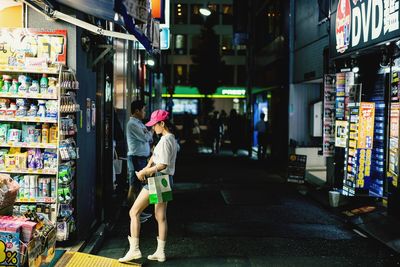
column 356, row 26
column 377, row 16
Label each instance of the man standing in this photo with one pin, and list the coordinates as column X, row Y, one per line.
column 262, row 131
column 138, row 138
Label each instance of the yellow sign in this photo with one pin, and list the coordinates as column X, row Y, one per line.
column 366, row 125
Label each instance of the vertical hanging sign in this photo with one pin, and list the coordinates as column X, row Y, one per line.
column 366, row 125
column 329, row 116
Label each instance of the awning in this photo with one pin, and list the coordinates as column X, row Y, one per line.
column 102, row 9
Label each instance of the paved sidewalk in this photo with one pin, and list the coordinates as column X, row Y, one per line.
column 237, row 212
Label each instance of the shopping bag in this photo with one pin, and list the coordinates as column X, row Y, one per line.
column 159, row 189
column 117, row 162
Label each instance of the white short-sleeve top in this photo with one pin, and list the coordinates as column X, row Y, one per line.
column 165, row 153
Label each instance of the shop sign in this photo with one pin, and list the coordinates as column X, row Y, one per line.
column 366, row 125
column 138, row 9
column 233, row 91
column 394, row 139
column 358, row 24
column 32, row 48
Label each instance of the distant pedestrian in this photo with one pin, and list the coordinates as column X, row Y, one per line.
column 234, row 129
column 261, row 128
column 215, row 130
column 138, row 138
column 196, row 131
column 163, row 160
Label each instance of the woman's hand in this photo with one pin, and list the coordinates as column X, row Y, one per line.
column 141, row 175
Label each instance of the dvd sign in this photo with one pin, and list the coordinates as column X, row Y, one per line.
column 362, row 23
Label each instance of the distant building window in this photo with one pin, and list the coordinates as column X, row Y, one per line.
column 226, row 45
column 180, row 74
column 195, row 44
column 241, row 75
column 195, row 16
column 227, row 15
column 214, row 17
column 180, row 44
column 181, row 15
column 241, row 50
column 323, row 10
column 228, row 75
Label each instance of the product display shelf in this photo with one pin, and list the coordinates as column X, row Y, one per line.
column 29, row 145
column 29, row 96
column 44, row 200
column 30, row 171
column 28, row 119
column 36, row 70
column 51, row 175
column 68, row 83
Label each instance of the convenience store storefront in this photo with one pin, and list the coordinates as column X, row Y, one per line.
column 359, row 95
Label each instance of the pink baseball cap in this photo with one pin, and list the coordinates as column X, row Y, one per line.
column 157, row 116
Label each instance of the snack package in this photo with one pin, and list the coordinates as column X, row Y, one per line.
column 28, row 133
column 50, row 160
column 14, row 150
column 3, row 152
column 14, row 135
column 51, row 109
column 21, row 160
column 35, row 159
column 10, row 161
column 3, row 132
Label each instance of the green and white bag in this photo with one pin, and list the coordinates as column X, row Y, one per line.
column 159, row 189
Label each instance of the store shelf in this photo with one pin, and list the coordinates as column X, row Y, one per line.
column 28, row 119
column 29, row 96
column 29, row 145
column 37, row 70
column 29, row 171
column 46, row 200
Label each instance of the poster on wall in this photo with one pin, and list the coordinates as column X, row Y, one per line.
column 340, row 95
column 394, row 139
column 341, row 133
column 32, row 49
column 329, row 116
column 366, row 125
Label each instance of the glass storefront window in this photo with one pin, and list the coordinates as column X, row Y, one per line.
column 181, row 15
column 227, row 15
column 180, row 44
column 180, row 74
column 195, row 16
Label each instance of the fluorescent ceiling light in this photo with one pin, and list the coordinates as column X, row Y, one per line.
column 205, row 11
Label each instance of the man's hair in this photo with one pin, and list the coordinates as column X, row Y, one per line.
column 137, row 105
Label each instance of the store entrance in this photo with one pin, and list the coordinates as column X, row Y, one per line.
column 104, row 140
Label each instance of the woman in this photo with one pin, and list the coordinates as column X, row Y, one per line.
column 162, row 160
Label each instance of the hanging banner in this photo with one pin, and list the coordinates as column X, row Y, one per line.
column 329, row 116
column 357, row 24
column 32, row 49
column 366, row 125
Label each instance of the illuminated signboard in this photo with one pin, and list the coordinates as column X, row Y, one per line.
column 358, row 24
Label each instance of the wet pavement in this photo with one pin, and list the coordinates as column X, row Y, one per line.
column 233, row 211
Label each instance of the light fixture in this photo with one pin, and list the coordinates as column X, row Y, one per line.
column 150, row 62
column 355, row 69
column 388, row 43
column 205, row 11
column 116, row 16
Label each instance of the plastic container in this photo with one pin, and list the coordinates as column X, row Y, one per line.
column 44, row 84
column 45, row 133
column 334, row 197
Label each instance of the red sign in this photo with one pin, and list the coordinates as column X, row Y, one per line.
column 343, row 25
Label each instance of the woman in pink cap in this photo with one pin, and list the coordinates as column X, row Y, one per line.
column 162, row 160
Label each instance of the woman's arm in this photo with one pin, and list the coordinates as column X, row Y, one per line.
column 149, row 171
column 150, row 162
